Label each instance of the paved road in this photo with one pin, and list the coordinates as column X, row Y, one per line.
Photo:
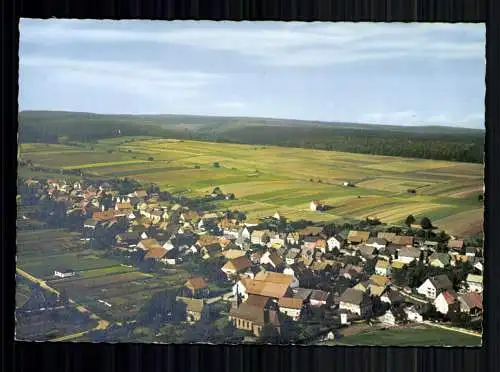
column 101, row 323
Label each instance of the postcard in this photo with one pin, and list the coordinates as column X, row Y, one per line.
column 250, row 182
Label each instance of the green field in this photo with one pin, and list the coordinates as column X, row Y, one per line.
column 40, row 252
column 408, row 337
column 266, row 179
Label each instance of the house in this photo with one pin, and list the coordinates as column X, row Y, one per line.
column 383, row 268
column 413, row 314
column 64, row 273
column 236, row 266
column 471, row 251
column 148, row 244
column 403, row 240
column 335, row 241
column 302, row 293
column 233, row 253
column 358, row 237
column 311, row 231
column 362, row 286
column 388, row 236
column 291, row 306
column 321, row 245
column 300, row 272
column 433, row 286
column 392, row 317
column 291, row 256
column 392, row 297
column 377, row 243
column 259, row 237
column 319, row 298
column 356, row 302
column 271, row 258
column 397, row 265
column 316, row 205
column 268, row 284
column 471, row 303
column 276, row 241
column 253, row 314
column 457, row 258
column 278, row 216
column 446, row 301
column 157, row 254
column 293, row 238
column 366, row 251
column 196, row 287
column 128, row 238
column 479, row 266
column 408, row 254
column 194, row 308
column 430, row 245
column 389, row 252
column 306, row 255
column 438, row 259
column 475, row 282
column 456, row 244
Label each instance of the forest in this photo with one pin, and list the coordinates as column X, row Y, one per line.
column 438, row 143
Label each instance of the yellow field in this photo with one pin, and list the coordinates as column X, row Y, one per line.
column 267, row 179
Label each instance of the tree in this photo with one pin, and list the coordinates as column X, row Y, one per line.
column 151, row 158
column 410, row 220
column 216, row 164
column 426, row 223
column 269, row 335
column 369, row 266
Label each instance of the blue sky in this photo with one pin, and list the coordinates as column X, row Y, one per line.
column 402, row 74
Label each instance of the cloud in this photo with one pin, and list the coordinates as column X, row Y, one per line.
column 136, row 78
column 277, row 44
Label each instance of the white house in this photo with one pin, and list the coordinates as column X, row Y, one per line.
column 271, row 258
column 475, row 283
column 314, row 205
column 433, row 286
column 377, row 243
column 291, row 307
column 408, row 254
column 388, row 318
column 335, row 242
column 383, row 268
column 291, row 256
column 413, row 315
column 356, row 302
column 168, row 245
column 64, row 273
column 445, row 301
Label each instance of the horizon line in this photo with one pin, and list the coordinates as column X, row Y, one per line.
column 261, row 117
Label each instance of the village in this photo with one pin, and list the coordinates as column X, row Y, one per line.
column 275, row 273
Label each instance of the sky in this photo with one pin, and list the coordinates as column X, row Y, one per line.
column 380, row 73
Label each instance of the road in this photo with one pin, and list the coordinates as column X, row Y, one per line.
column 455, row 329
column 101, row 323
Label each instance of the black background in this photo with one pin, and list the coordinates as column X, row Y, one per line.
column 25, row 356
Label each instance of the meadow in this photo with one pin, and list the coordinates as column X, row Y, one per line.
column 413, row 336
column 266, row 179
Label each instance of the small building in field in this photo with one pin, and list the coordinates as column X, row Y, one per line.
column 64, row 273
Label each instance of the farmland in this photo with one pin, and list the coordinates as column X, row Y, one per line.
column 98, row 280
column 266, row 179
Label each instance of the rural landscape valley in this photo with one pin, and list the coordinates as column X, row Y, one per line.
column 138, row 221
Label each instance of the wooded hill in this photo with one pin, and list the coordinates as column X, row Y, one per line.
column 429, row 142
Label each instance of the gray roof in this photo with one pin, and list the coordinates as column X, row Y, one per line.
column 353, row 296
column 441, row 282
column 302, row 293
column 409, row 252
column 444, row 258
